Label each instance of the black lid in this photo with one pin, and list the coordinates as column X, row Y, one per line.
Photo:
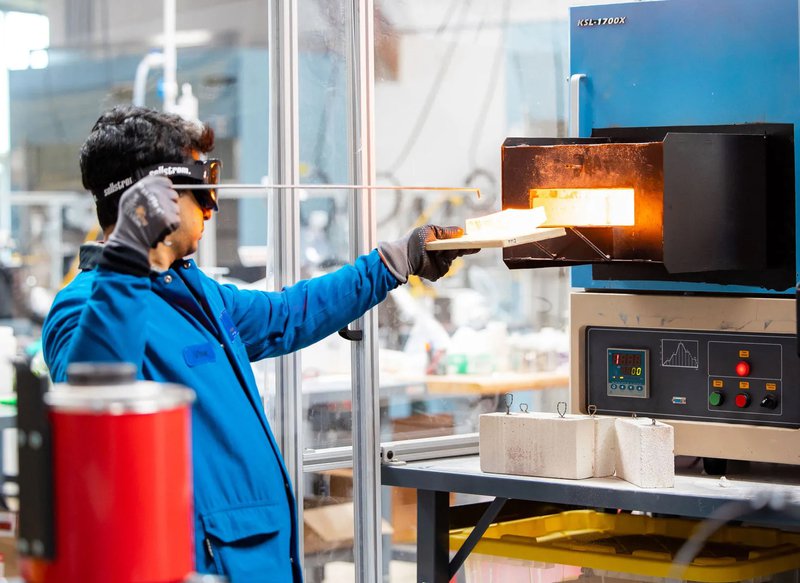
column 101, row 373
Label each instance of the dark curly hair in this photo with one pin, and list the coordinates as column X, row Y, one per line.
column 127, row 138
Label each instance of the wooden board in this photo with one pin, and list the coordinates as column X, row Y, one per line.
column 483, row 241
column 496, row 383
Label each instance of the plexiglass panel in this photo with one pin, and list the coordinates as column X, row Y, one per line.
column 453, row 80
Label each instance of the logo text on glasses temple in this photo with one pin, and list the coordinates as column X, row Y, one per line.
column 117, row 186
column 169, row 171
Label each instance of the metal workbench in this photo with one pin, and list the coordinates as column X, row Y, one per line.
column 774, row 489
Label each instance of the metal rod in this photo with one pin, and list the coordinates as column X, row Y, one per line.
column 488, row 517
column 5, row 145
column 429, row 448
column 268, row 187
column 54, row 238
column 327, row 459
column 284, row 156
column 45, row 197
column 406, row 450
column 170, row 83
column 596, row 249
column 368, row 539
column 541, row 248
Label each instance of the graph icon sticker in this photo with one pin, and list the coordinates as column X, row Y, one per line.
column 680, row 353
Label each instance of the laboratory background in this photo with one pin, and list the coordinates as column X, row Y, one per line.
column 342, row 123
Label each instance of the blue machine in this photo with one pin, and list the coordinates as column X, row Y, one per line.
column 687, row 63
column 688, row 315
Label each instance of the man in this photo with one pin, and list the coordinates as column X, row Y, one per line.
column 139, row 300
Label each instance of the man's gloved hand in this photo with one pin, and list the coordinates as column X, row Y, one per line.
column 148, row 212
column 408, row 256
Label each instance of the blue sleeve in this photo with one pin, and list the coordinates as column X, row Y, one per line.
column 99, row 317
column 275, row 323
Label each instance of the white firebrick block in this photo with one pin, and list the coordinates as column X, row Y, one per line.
column 605, row 446
column 537, row 444
column 645, row 453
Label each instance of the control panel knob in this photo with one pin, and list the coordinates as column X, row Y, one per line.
column 716, row 398
column 743, row 400
column 743, row 368
column 769, row 402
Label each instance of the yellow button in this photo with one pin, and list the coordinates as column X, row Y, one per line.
column 772, row 387
column 717, row 383
column 744, row 354
column 744, row 384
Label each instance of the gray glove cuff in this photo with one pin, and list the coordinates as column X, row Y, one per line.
column 132, row 244
column 123, row 259
column 395, row 257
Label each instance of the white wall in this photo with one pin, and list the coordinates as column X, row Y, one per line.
column 121, row 22
column 442, row 146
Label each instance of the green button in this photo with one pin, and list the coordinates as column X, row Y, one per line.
column 715, row 399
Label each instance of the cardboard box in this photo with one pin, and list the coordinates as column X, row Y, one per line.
column 10, row 558
column 404, row 500
column 9, row 563
column 422, row 425
column 404, row 514
column 340, row 483
column 330, row 527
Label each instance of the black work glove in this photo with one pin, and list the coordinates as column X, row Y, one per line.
column 407, row 256
column 148, row 212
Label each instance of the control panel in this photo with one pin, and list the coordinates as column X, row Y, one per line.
column 627, row 373
column 702, row 376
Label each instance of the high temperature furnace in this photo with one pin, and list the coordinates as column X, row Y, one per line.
column 687, row 314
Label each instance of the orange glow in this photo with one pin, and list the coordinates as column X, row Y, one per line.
column 585, row 207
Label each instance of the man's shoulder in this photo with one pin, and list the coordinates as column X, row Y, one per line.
column 72, row 296
column 80, row 285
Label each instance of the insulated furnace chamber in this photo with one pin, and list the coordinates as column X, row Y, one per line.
column 689, row 111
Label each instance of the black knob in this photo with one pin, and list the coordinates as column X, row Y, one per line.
column 769, row 402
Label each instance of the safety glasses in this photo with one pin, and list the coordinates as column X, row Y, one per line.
column 197, row 172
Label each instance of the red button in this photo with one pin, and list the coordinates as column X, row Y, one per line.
column 743, row 368
column 742, row 400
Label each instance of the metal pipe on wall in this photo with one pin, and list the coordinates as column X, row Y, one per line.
column 150, row 61
column 5, row 146
column 170, row 56
column 284, row 155
column 365, row 409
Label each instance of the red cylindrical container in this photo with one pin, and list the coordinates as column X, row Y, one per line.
column 122, row 483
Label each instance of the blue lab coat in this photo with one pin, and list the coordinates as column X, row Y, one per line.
column 181, row 326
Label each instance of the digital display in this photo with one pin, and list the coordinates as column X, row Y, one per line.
column 627, row 359
column 626, row 365
column 627, row 373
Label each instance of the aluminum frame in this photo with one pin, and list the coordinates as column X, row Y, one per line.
column 394, row 452
column 410, row 450
column 284, row 155
column 5, row 144
column 363, row 237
